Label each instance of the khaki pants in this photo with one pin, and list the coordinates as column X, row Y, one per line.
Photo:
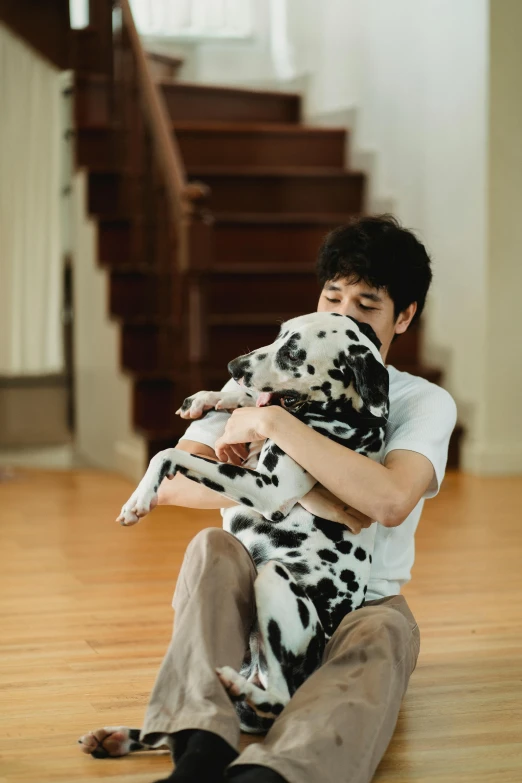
column 337, row 725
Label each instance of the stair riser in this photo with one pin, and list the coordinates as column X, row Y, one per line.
column 201, row 148
column 155, row 404
column 113, row 194
column 149, row 348
column 262, row 294
column 184, row 103
column 134, row 295
column 100, row 147
column 284, row 194
column 119, row 243
column 255, row 244
column 91, row 104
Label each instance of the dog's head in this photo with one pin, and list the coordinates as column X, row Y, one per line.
column 320, row 358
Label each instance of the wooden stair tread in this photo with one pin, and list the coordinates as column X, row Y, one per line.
column 219, row 269
column 168, row 59
column 272, row 128
column 315, row 172
column 225, row 90
column 281, row 218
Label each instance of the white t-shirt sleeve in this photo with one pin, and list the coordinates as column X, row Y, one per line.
column 212, row 426
column 422, row 418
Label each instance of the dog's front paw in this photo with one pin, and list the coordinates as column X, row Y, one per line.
column 196, row 405
column 139, row 505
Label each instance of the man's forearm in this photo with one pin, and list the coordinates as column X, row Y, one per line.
column 356, row 480
column 181, row 491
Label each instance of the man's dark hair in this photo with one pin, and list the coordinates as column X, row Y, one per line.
column 380, row 252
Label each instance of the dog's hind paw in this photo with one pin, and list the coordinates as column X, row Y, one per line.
column 234, row 683
column 109, row 742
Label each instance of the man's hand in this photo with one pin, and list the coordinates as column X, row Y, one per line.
column 245, row 425
column 321, row 503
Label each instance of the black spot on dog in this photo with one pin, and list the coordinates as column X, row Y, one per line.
column 277, row 516
column 348, row 576
column 297, row 590
column 246, row 501
column 299, row 569
column 259, row 483
column 274, row 638
column 293, row 553
column 352, row 335
column 261, row 356
column 239, row 523
column 328, row 555
column 311, row 369
column 230, row 471
column 344, row 546
column 259, row 553
column 332, row 530
column 281, row 572
column 271, row 458
column 213, row 485
column 275, row 481
column 267, row 389
column 281, row 539
column 321, row 334
column 360, row 554
column 304, row 613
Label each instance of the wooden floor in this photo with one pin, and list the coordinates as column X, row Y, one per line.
column 86, row 617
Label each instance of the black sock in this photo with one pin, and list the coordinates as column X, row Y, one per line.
column 253, row 773
column 200, row 757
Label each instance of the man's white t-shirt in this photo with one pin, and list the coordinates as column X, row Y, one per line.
column 422, row 418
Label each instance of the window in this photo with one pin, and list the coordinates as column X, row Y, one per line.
column 193, row 18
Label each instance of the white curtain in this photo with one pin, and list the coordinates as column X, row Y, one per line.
column 30, row 244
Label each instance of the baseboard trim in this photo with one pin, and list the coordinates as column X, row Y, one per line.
column 34, row 411
column 491, row 460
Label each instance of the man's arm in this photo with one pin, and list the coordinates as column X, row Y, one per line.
column 181, row 491
column 386, row 493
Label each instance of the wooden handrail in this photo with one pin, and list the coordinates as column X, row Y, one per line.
column 181, row 195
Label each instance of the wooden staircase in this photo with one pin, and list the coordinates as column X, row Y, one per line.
column 203, row 273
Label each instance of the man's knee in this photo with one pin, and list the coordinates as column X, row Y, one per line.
column 216, row 541
column 380, row 627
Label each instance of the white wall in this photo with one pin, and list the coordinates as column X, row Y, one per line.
column 496, row 446
column 104, row 436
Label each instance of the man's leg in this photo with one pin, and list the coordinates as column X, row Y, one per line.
column 339, row 723
column 215, row 607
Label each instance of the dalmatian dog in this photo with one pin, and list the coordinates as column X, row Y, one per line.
column 326, row 370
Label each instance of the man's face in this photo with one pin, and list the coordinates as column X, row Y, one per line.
column 370, row 305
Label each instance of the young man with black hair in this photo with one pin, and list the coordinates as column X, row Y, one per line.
column 339, row 723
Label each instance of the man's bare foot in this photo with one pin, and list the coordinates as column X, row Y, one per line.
column 112, row 742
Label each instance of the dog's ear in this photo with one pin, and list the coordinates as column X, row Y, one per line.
column 367, row 330
column 371, row 380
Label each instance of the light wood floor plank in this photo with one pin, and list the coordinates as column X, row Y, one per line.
column 86, row 617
